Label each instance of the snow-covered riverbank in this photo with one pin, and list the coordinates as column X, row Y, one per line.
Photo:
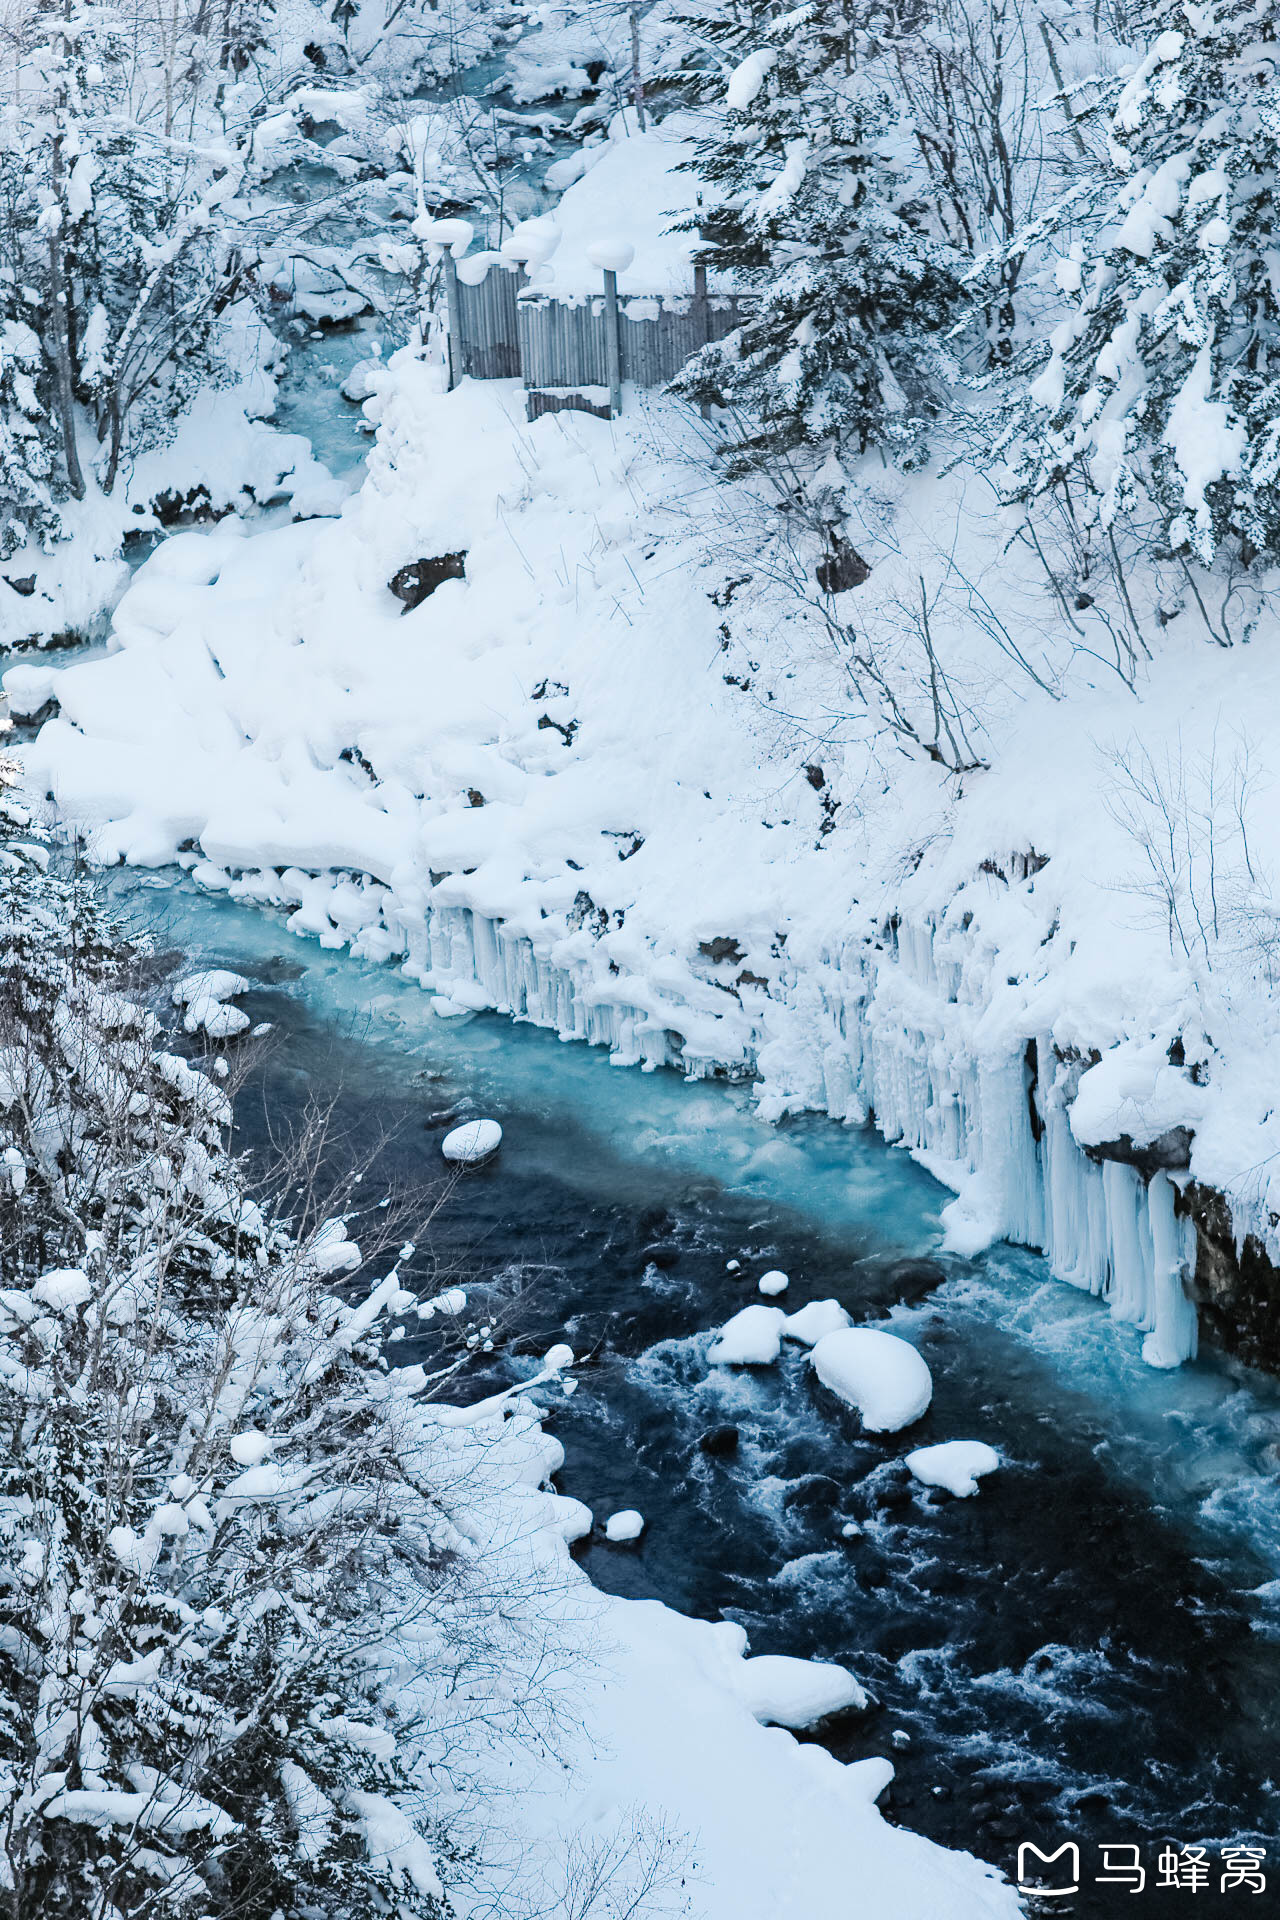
column 565, row 785
column 676, row 1770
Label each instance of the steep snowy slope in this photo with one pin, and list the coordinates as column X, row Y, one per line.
column 599, row 779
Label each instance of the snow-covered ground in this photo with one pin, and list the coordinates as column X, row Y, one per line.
column 576, row 785
column 224, row 456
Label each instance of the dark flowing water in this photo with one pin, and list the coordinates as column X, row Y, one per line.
column 1088, row 1649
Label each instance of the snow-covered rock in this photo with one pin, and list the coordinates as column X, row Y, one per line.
column 809, row 1324
column 205, row 997
column 883, row 1377
column 773, row 1282
column 753, row 1338
column 956, row 1465
column 786, row 1692
column 472, row 1142
column 624, row 1526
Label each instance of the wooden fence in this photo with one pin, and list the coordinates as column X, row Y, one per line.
column 560, row 345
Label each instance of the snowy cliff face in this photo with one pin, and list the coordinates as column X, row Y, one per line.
column 599, row 779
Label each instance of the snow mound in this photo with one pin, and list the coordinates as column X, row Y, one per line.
column 1134, row 1091
column 956, row 1465
column 28, row 688
column 472, row 1142
column 332, row 1250
column 627, row 1525
column 880, row 1375
column 785, row 1692
column 250, row 1449
column 753, row 1338
column 772, row 1282
column 205, row 997
column 810, row 1324
column 611, row 255
column 63, row 1288
column 640, row 179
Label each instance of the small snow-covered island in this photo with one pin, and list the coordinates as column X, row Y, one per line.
column 748, row 538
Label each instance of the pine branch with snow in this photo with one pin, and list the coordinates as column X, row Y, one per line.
column 1158, row 393
column 807, row 203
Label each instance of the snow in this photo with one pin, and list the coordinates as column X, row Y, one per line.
column 249, row 1449
column 613, row 256
column 753, row 1338
column 629, row 200
column 1133, row 1091
column 331, row 1250
column 748, row 77
column 785, row 1692
column 391, row 1840
column 28, row 688
column 956, row 1465
column 879, row 1374
column 773, row 1282
column 918, row 988
column 472, row 1142
column 676, row 1716
column 63, row 1288
column 204, row 995
column 627, row 1525
column 811, row 1323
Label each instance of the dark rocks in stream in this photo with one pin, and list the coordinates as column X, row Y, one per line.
column 814, row 1497
column 719, row 1443
column 905, row 1282
column 418, row 581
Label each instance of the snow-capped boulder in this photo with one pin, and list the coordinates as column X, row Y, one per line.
column 785, row 1692
column 809, row 1324
column 753, row 1338
column 472, row 1142
column 956, row 1465
column 205, row 997
column 881, row 1376
column 624, row 1527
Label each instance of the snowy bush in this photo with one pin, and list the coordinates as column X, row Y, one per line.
column 234, row 1594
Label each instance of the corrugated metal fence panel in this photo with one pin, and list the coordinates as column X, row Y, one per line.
column 487, row 346
column 562, row 345
column 555, row 343
column 654, row 350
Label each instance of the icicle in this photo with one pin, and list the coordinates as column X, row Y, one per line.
column 1174, row 1335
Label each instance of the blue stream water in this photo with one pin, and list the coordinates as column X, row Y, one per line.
column 1086, row 1649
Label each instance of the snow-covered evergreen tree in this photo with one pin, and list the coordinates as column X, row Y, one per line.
column 806, row 202
column 1159, row 396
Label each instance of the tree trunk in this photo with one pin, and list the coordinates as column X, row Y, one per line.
column 64, row 379
column 637, row 83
